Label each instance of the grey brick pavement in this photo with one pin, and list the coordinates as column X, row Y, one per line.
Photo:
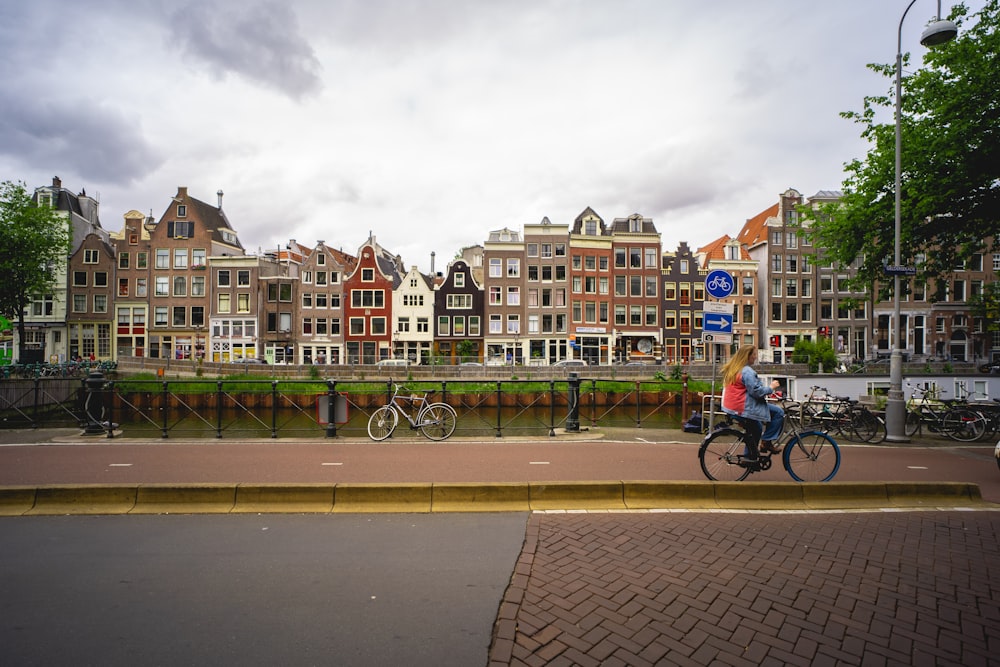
column 857, row 588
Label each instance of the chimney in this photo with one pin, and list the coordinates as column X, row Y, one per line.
column 182, row 191
column 56, row 182
column 432, row 262
column 219, row 194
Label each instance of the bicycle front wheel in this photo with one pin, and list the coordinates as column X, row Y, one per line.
column 912, row 424
column 437, row 421
column 811, row 456
column 382, row 423
column 865, row 426
column 720, row 454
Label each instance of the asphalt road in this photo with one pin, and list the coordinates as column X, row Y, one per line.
column 272, row 589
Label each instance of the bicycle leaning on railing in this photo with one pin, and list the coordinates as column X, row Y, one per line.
column 940, row 415
column 807, row 455
column 436, row 421
column 839, row 416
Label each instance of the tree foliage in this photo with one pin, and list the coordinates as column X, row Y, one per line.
column 814, row 353
column 950, row 157
column 34, row 242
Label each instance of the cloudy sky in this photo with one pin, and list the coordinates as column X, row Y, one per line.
column 431, row 122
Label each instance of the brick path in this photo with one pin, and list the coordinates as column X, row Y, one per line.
column 858, row 588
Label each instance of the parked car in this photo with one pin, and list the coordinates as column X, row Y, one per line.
column 575, row 363
column 392, row 362
column 990, row 367
column 251, row 360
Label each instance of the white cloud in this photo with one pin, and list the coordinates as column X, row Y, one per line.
column 431, row 122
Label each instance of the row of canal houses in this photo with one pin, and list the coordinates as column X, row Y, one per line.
column 183, row 287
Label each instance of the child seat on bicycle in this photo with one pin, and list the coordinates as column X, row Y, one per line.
column 744, row 396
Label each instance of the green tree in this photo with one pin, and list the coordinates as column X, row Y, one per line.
column 814, row 353
column 34, row 242
column 950, row 157
column 465, row 348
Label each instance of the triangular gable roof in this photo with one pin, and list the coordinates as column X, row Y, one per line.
column 754, row 231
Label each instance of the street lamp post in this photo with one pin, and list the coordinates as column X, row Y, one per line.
column 938, row 32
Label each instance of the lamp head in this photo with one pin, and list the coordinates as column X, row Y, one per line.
column 939, row 32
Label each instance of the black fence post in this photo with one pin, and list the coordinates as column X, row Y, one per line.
column 573, row 418
column 274, row 409
column 552, row 408
column 165, row 408
column 218, row 409
column 331, row 412
column 109, row 402
column 499, row 406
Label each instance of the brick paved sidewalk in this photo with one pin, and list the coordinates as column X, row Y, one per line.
column 879, row 588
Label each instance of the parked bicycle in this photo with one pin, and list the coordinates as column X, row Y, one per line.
column 840, row 416
column 947, row 417
column 807, row 455
column 436, row 421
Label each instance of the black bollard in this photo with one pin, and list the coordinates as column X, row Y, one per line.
column 573, row 418
column 94, row 405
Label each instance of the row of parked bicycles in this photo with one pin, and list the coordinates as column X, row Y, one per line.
column 80, row 369
column 962, row 419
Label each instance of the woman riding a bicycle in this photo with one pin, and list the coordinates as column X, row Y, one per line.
column 744, row 395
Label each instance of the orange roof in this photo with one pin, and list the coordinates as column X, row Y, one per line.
column 716, row 250
column 754, row 231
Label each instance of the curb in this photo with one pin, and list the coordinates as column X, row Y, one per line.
column 471, row 497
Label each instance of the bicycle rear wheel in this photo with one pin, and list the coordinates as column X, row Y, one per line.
column 912, row 424
column 811, row 456
column 720, row 454
column 437, row 421
column 382, row 423
column 963, row 425
column 865, row 426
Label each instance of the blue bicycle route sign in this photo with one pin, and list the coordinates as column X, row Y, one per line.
column 719, row 284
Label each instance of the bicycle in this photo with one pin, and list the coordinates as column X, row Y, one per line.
column 941, row 416
column 841, row 415
column 436, row 421
column 807, row 455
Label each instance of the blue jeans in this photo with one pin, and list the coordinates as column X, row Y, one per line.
column 773, row 429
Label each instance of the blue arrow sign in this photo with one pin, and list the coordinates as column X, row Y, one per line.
column 719, row 284
column 714, row 323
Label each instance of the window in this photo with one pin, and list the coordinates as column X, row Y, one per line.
column 748, row 314
column 792, row 240
column 123, row 258
column 162, row 258
column 224, row 279
column 243, row 278
column 79, row 279
column 444, row 325
column 320, row 259
column 198, row 257
column 560, row 250
column 776, row 237
column 160, row 316
column 496, row 296
column 100, row 279
column 162, row 286
column 198, row 316
column 198, row 286
column 547, row 251
column 532, row 249
column 79, row 303
column 496, row 324
column 123, row 287
column 243, row 303
column 180, row 258
column 496, row 268
column 590, row 228
column 141, row 260
column 635, row 258
column 423, row 325
column 225, row 303
column 513, row 296
column 91, row 256
column 180, row 316
column 513, row 268
column 368, row 298
column 180, row 286
column 459, row 280
column 776, row 263
column 620, row 256
column 463, row 301
column 321, row 277
column 357, row 325
column 140, row 287
column 321, row 326
column 182, row 211
column 651, row 283
column 178, row 229
column 367, row 275
column 474, row 325
column 651, row 316
column 513, row 324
